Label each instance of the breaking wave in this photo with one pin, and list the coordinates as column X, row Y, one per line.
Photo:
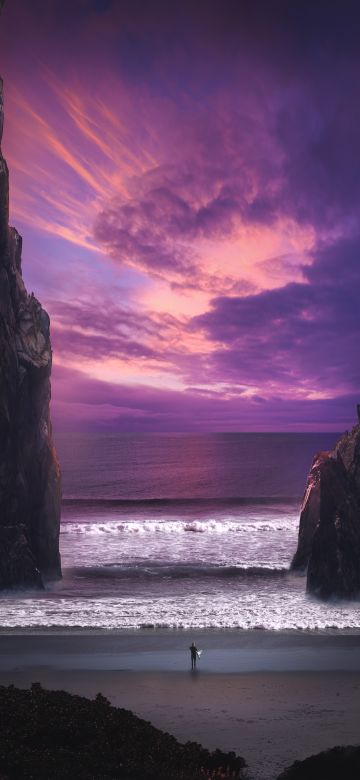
column 214, row 527
column 149, row 569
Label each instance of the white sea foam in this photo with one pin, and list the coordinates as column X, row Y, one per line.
column 218, row 572
column 213, row 527
column 276, row 609
column 250, row 538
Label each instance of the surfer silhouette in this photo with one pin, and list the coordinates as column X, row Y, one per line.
column 194, row 655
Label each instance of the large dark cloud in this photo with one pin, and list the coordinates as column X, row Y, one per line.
column 303, row 335
column 264, row 125
column 157, row 231
column 221, row 174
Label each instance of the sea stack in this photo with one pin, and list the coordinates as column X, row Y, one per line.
column 30, row 481
column 329, row 533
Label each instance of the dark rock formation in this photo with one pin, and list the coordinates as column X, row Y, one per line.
column 53, row 734
column 18, row 565
column 329, row 532
column 30, row 485
column 333, row 764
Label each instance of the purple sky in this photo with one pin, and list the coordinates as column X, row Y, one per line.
column 186, row 178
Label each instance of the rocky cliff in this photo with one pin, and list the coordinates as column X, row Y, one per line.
column 329, row 532
column 30, row 484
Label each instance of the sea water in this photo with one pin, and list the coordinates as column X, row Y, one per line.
column 181, row 531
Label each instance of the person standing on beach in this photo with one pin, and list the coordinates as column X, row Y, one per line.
column 194, row 654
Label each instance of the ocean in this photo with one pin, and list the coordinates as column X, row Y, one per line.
column 181, row 531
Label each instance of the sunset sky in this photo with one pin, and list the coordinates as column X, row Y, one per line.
column 186, row 179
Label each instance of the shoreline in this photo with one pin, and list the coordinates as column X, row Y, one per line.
column 156, row 630
column 232, row 652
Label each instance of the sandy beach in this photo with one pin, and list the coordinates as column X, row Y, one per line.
column 271, row 697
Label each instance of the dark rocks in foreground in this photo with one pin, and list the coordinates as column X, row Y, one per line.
column 338, row 763
column 329, row 533
column 53, row 734
column 30, row 485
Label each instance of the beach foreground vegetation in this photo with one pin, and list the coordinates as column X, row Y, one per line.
column 338, row 762
column 53, row 734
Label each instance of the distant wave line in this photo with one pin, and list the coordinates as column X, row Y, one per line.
column 218, row 501
column 150, row 569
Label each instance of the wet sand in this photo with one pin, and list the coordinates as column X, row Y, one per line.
column 272, row 698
